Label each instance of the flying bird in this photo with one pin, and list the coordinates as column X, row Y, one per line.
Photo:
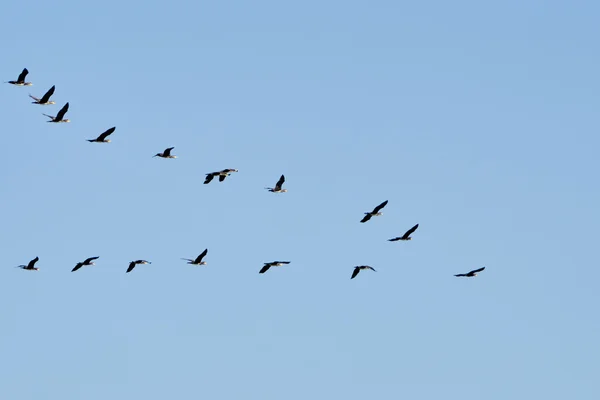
column 61, row 114
column 165, row 154
column 103, row 137
column 45, row 100
column 406, row 236
column 134, row 263
column 266, row 267
column 278, row 185
column 21, row 79
column 471, row 273
column 374, row 213
column 88, row 261
column 221, row 174
column 198, row 260
column 360, row 267
column 30, row 266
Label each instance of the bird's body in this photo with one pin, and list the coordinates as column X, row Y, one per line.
column 132, row 264
column 278, row 185
column 198, row 260
column 375, row 213
column 61, row 114
column 166, row 153
column 221, row 174
column 88, row 261
column 21, row 79
column 31, row 265
column 359, row 268
column 406, row 235
column 266, row 267
column 45, row 100
column 471, row 273
column 103, row 136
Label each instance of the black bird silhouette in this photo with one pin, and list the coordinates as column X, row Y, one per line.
column 198, row 260
column 406, row 236
column 45, row 100
column 359, row 268
column 374, row 213
column 21, row 79
column 472, row 273
column 61, row 114
column 88, row 261
column 221, row 174
column 103, row 136
column 278, row 185
column 134, row 263
column 30, row 266
column 165, row 154
column 266, row 267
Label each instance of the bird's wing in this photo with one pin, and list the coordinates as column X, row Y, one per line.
column 79, row 265
column 460, row 275
column 22, row 75
column 35, row 98
column 477, row 270
column 131, row 266
column 87, row 260
column 49, row 116
column 62, row 112
column 188, row 259
column 209, row 177
column 410, row 231
column 355, row 272
column 379, row 207
column 32, row 262
column 222, row 178
column 46, row 97
column 201, row 256
column 264, row 269
column 366, row 218
column 371, row 268
column 394, row 239
column 280, row 182
column 105, row 134
column 167, row 152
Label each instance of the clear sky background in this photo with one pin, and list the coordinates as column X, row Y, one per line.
column 477, row 120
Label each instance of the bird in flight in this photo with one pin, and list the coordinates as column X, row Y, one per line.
column 406, row 236
column 61, row 114
column 471, row 273
column 45, row 100
column 88, row 261
column 103, row 136
column 21, row 79
column 30, row 266
column 278, row 185
column 134, row 263
column 374, row 213
column 198, row 260
column 266, row 267
column 221, row 174
column 359, row 268
column 165, row 154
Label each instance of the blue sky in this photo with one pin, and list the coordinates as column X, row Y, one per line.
column 478, row 121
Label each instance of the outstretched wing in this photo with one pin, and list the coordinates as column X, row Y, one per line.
column 379, row 207
column 201, row 256
column 461, row 275
column 209, row 177
column 222, row 178
column 46, row 97
column 167, row 152
column 62, row 112
column 131, row 266
column 79, row 265
column 32, row 262
column 88, row 260
column 35, row 98
column 355, row 272
column 280, row 183
column 477, row 270
column 366, row 218
column 104, row 135
column 264, row 269
column 394, row 239
column 22, row 75
column 410, row 231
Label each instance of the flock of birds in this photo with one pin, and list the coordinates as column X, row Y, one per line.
column 278, row 188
